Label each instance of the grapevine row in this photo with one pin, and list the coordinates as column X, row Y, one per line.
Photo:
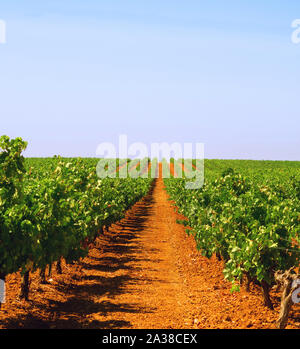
column 53, row 209
column 250, row 223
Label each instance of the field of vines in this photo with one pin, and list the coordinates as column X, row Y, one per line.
column 54, row 208
column 247, row 213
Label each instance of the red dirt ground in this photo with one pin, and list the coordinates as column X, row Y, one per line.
column 172, row 170
column 144, row 273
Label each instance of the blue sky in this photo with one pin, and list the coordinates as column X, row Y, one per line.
column 75, row 73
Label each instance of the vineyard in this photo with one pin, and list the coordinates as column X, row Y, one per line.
column 248, row 219
column 129, row 241
column 54, row 209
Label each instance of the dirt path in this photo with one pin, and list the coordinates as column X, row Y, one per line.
column 145, row 272
column 141, row 255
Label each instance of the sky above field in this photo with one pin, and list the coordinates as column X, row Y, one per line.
column 76, row 73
